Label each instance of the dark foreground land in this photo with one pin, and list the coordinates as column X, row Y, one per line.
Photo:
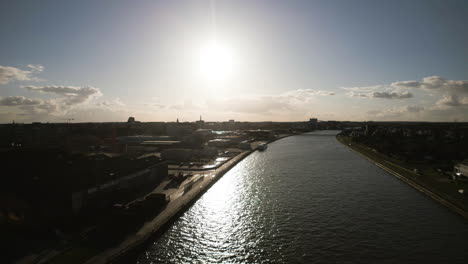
column 72, row 191
column 435, row 178
column 95, row 192
column 113, row 231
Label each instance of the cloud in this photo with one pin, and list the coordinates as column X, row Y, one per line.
column 100, row 114
column 48, row 107
column 18, row 101
column 266, row 104
column 9, row 74
column 117, row 102
column 452, row 90
column 374, row 112
column 398, row 90
column 158, row 105
column 68, row 98
column 444, row 111
column 31, row 106
column 453, row 101
column 357, row 94
column 155, row 102
column 254, row 105
column 406, row 84
column 35, row 67
column 377, row 91
column 392, row 95
column 397, row 112
column 435, row 83
column 379, row 94
column 306, row 93
column 72, row 94
column 414, row 109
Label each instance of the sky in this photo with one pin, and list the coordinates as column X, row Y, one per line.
column 101, row 61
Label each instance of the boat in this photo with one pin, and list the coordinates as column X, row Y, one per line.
column 262, row 146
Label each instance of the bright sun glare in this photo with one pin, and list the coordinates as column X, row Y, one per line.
column 216, row 61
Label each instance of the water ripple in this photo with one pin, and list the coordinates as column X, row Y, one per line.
column 307, row 199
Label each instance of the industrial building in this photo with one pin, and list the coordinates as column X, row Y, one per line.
column 52, row 188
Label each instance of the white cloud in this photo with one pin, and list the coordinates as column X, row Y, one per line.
column 398, row 90
column 436, row 83
column 448, row 98
column 256, row 105
column 441, row 112
column 405, row 112
column 302, row 94
column 453, row 90
column 31, row 106
column 35, row 67
column 9, row 74
column 72, row 94
column 68, row 98
column 253, row 104
column 357, row 94
column 379, row 94
column 47, row 107
column 260, row 104
column 117, row 102
column 392, row 95
column 453, row 101
column 377, row 91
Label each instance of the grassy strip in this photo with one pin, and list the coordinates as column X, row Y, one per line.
column 427, row 181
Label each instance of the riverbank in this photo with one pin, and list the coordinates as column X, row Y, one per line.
column 354, row 212
column 166, row 217
column 160, row 223
column 181, row 200
column 435, row 190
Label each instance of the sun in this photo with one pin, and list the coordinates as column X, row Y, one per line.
column 216, row 61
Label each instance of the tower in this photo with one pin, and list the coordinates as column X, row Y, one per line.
column 200, row 123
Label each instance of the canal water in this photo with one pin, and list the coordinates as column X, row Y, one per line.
column 309, row 199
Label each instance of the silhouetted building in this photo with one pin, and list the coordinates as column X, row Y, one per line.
column 188, row 154
column 313, row 123
column 200, row 123
column 179, row 130
column 55, row 185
